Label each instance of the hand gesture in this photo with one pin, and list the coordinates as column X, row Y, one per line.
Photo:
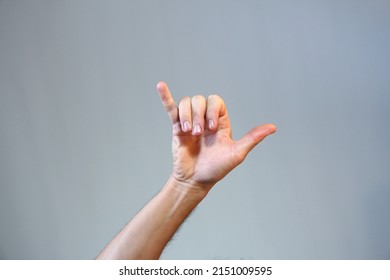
column 202, row 145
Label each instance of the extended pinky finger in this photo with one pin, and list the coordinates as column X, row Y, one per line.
column 168, row 102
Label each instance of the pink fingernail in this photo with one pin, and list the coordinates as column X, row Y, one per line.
column 186, row 126
column 197, row 129
column 211, row 124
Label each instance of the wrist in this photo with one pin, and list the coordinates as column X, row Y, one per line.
column 191, row 189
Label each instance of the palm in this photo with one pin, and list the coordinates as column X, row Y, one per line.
column 204, row 159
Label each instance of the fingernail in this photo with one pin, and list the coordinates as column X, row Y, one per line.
column 211, row 124
column 197, row 129
column 186, row 126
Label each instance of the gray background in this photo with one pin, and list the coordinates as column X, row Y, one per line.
column 85, row 142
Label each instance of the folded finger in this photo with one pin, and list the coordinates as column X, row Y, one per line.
column 198, row 107
column 215, row 109
column 185, row 114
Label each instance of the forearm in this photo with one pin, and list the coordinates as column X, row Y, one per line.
column 146, row 235
column 203, row 153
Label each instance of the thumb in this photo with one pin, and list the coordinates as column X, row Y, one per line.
column 252, row 138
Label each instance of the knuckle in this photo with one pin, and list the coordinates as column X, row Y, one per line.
column 198, row 98
column 214, row 97
column 215, row 102
column 170, row 107
column 184, row 99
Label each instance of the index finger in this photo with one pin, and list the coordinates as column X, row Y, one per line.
column 168, row 102
column 215, row 109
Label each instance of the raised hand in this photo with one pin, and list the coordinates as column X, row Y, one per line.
column 203, row 153
column 202, row 145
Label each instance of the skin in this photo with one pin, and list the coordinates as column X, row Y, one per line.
column 203, row 153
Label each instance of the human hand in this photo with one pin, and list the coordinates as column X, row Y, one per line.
column 202, row 145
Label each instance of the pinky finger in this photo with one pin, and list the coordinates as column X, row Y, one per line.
column 168, row 102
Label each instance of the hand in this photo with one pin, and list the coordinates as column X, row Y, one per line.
column 202, row 145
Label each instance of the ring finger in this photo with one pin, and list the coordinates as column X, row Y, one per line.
column 185, row 114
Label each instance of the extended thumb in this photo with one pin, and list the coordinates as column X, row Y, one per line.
column 254, row 137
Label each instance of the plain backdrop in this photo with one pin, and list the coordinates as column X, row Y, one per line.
column 85, row 142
